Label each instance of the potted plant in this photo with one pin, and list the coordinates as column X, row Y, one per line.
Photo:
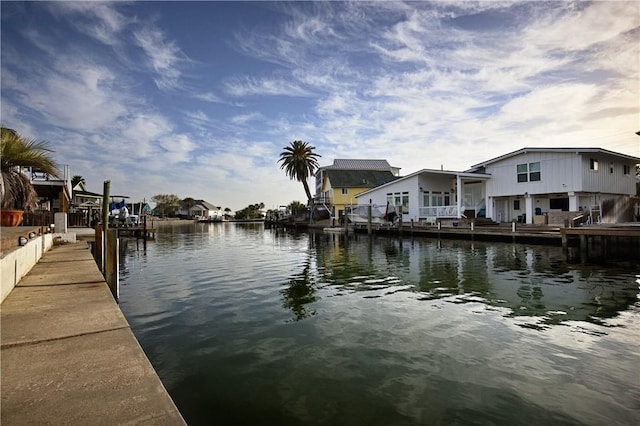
column 16, row 191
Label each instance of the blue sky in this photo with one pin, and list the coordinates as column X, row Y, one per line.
column 199, row 98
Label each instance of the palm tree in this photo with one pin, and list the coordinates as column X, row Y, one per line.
column 299, row 162
column 16, row 152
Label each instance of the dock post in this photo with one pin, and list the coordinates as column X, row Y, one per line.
column 369, row 230
column 584, row 250
column 513, row 227
column 106, row 187
column 112, row 248
column 346, row 222
column 565, row 244
column 400, row 226
column 99, row 247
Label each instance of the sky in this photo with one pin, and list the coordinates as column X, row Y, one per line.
column 199, row 99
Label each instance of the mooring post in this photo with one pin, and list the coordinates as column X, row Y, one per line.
column 400, row 225
column 584, row 250
column 111, row 263
column 105, row 219
column 513, row 227
column 369, row 230
column 98, row 247
column 345, row 218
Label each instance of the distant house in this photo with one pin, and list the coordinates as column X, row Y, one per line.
column 530, row 185
column 338, row 185
column 205, row 210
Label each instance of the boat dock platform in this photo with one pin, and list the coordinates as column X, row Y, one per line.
column 517, row 233
column 68, row 355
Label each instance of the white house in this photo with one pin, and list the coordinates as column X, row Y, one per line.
column 551, row 184
column 205, row 210
column 592, row 181
column 428, row 195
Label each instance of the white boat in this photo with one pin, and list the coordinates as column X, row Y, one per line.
column 360, row 215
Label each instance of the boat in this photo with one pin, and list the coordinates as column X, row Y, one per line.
column 360, row 215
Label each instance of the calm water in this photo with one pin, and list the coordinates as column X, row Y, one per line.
column 249, row 326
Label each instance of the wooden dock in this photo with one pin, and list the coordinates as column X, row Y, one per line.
column 505, row 232
column 606, row 237
column 139, row 232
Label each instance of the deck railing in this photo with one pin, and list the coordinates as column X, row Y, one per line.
column 439, row 212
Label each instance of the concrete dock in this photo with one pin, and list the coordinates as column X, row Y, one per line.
column 68, row 355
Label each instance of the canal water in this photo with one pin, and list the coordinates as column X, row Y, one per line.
column 249, row 326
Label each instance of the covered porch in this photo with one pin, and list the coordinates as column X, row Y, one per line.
column 451, row 195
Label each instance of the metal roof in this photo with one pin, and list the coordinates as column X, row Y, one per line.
column 358, row 164
column 358, row 178
column 566, row 149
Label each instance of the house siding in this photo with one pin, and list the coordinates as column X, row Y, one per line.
column 559, row 172
column 603, row 180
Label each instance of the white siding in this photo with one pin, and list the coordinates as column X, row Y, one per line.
column 378, row 196
column 603, row 180
column 559, row 172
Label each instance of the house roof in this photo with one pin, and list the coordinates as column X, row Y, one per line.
column 359, row 164
column 571, row 150
column 451, row 173
column 358, row 178
column 206, row 205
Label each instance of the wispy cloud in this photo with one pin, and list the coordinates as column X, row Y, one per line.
column 164, row 56
column 420, row 84
column 249, row 86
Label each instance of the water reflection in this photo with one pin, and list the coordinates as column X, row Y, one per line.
column 531, row 282
column 298, row 293
column 252, row 326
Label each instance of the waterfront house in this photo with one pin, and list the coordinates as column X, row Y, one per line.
column 428, row 195
column 205, row 210
column 560, row 183
column 530, row 185
column 338, row 185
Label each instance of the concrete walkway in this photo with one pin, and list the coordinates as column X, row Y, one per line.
column 68, row 355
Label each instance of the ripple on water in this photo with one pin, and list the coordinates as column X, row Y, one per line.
column 240, row 322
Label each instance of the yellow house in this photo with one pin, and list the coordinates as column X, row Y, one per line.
column 338, row 185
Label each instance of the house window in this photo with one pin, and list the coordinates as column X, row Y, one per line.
column 593, row 164
column 522, row 172
column 345, row 191
column 528, row 172
column 559, row 204
column 626, row 169
column 426, row 198
column 534, row 172
column 399, row 200
column 516, row 204
column 405, row 203
column 436, row 199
